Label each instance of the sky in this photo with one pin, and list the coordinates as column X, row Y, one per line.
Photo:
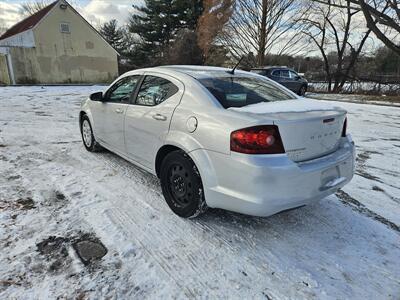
column 95, row 11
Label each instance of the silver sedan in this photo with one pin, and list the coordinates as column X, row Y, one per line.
column 223, row 139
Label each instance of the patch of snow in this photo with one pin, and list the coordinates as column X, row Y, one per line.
column 325, row 251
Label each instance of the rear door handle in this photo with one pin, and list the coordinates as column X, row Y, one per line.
column 159, row 117
column 119, row 111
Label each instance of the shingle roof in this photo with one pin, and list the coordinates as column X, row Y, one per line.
column 28, row 23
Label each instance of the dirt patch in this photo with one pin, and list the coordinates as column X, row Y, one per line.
column 358, row 206
column 26, row 204
column 13, row 177
column 59, row 196
column 87, row 246
column 21, row 204
column 377, row 188
column 42, row 114
column 55, row 199
column 7, row 283
column 55, row 250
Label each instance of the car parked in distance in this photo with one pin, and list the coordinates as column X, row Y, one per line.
column 285, row 76
column 219, row 138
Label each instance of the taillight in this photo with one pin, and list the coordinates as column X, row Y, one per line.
column 344, row 131
column 257, row 140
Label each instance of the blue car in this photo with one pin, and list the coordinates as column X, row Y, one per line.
column 285, row 76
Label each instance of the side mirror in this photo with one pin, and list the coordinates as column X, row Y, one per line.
column 96, row 96
column 298, row 77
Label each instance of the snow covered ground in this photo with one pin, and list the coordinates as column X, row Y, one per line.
column 360, row 87
column 53, row 193
column 355, row 98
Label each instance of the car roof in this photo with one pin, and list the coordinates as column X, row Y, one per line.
column 273, row 67
column 199, row 72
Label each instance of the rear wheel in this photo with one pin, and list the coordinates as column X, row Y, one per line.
column 302, row 90
column 181, row 185
column 87, row 135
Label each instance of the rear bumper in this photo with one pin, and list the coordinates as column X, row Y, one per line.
column 262, row 185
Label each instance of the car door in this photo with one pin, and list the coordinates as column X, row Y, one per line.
column 109, row 114
column 295, row 81
column 147, row 120
column 276, row 76
column 285, row 79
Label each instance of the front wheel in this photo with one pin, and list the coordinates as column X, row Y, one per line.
column 302, row 90
column 182, row 186
column 87, row 135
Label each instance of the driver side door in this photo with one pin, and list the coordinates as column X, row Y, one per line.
column 110, row 113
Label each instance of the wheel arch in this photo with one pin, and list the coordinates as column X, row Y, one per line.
column 81, row 114
column 199, row 157
column 161, row 154
column 87, row 113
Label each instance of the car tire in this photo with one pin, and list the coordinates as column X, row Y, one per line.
column 182, row 186
column 88, row 139
column 302, row 90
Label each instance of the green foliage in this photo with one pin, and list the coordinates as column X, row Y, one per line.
column 158, row 23
column 113, row 35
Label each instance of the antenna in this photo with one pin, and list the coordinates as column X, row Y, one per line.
column 233, row 70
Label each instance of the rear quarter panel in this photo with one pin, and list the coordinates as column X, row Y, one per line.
column 214, row 122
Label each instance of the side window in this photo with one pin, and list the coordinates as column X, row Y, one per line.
column 285, row 74
column 293, row 75
column 121, row 91
column 155, row 90
column 276, row 73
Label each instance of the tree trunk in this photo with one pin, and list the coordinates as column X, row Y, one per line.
column 263, row 35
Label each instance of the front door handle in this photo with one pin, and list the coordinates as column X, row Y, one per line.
column 159, row 117
column 119, row 111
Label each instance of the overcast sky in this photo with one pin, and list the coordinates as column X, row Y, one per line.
column 95, row 11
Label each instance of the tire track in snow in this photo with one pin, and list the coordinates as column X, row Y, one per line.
column 361, row 208
column 174, row 234
column 220, row 234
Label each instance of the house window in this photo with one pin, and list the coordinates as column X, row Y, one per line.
column 64, row 28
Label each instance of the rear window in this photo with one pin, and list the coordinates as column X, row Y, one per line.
column 242, row 91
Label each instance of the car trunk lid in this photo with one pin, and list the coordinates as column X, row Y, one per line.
column 311, row 135
column 308, row 129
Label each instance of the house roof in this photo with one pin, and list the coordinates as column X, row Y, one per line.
column 28, row 23
column 33, row 20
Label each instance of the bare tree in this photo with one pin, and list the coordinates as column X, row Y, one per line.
column 260, row 26
column 338, row 37
column 30, row 8
column 382, row 18
column 3, row 27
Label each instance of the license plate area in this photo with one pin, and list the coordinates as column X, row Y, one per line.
column 329, row 175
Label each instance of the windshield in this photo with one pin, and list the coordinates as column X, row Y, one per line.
column 242, row 91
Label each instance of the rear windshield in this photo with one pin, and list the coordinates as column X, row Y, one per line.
column 242, row 91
